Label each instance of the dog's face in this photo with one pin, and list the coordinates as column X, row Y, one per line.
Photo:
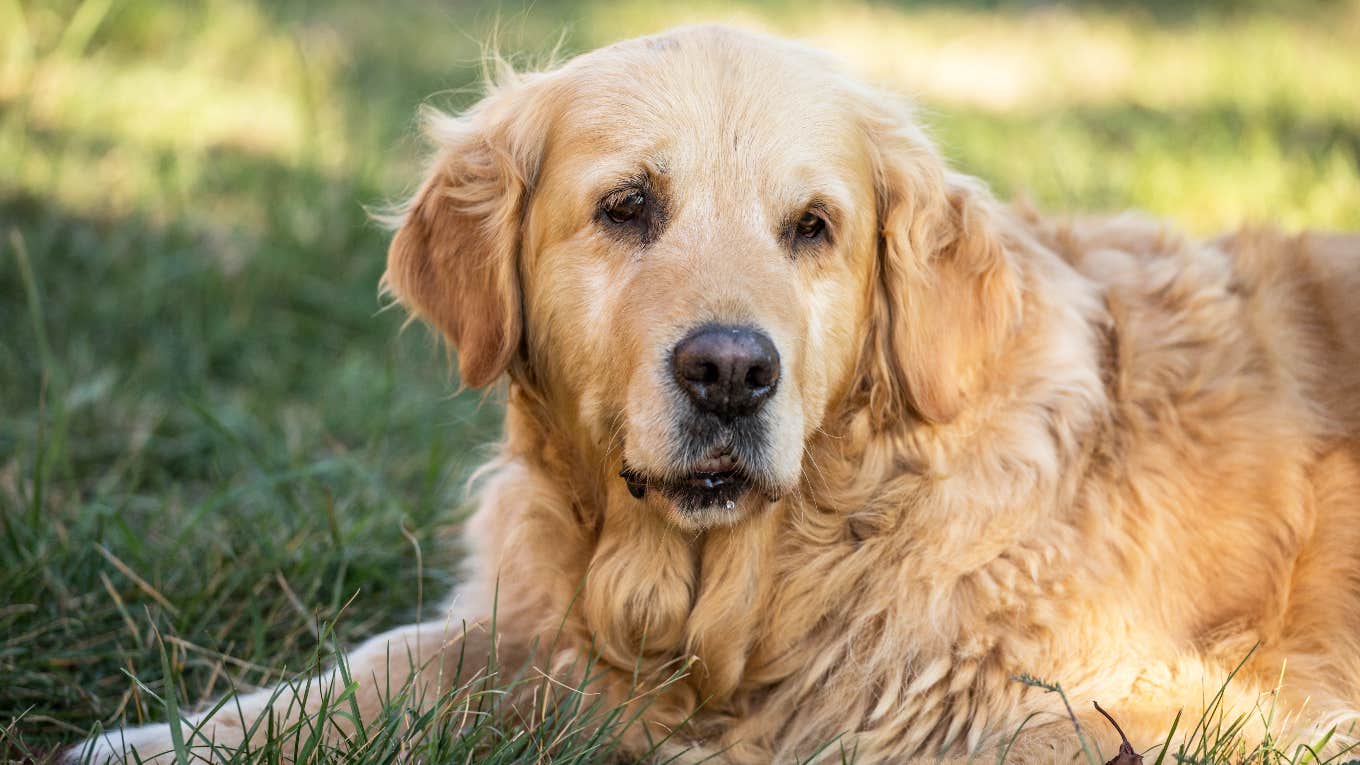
column 695, row 270
column 678, row 243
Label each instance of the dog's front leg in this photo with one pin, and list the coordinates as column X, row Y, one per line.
column 415, row 666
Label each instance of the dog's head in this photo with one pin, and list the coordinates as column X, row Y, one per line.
column 696, row 246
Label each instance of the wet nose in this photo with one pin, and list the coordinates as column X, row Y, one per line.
column 728, row 371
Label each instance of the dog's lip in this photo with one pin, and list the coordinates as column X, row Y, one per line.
column 698, row 490
column 718, row 478
column 708, row 473
column 713, row 479
column 719, row 466
column 718, row 461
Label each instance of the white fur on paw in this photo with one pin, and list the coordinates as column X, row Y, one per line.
column 151, row 743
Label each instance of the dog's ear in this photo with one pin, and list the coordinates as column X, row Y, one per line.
column 947, row 295
column 454, row 259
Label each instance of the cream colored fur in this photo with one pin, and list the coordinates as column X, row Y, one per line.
column 1096, row 451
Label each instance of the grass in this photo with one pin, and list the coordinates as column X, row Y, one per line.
column 466, row 724
column 219, row 459
column 1218, row 736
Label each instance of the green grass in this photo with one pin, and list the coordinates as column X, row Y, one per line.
column 213, row 442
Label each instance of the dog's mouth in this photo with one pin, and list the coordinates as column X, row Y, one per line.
column 716, row 480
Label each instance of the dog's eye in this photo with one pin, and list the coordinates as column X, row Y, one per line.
column 810, row 226
column 625, row 206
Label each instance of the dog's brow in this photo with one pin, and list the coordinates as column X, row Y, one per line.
column 638, row 179
column 648, row 170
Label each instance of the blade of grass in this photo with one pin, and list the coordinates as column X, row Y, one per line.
column 172, row 705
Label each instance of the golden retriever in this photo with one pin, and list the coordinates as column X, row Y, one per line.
column 796, row 408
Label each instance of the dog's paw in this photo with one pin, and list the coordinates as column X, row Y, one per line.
column 151, row 744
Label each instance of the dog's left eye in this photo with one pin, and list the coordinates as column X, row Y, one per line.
column 810, row 226
column 625, row 206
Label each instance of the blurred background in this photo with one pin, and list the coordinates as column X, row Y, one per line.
column 212, row 441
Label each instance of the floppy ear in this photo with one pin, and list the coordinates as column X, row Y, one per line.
column 454, row 260
column 947, row 296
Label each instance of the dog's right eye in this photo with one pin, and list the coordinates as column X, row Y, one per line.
column 625, row 206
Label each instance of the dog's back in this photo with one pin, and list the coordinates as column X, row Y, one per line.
column 1237, row 385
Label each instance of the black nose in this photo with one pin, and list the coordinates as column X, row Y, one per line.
column 729, row 371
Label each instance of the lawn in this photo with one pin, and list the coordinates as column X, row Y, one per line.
column 215, row 444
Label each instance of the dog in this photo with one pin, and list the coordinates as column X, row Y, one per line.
column 799, row 410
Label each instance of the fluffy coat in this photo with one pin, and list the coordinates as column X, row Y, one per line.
column 1095, row 451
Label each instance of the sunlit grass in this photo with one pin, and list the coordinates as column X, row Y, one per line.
column 1214, row 120
column 208, row 431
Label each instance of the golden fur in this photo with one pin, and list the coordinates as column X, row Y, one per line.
column 1095, row 451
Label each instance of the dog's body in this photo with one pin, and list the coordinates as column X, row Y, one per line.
column 975, row 443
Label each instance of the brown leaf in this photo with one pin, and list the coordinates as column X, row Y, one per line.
column 1126, row 756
